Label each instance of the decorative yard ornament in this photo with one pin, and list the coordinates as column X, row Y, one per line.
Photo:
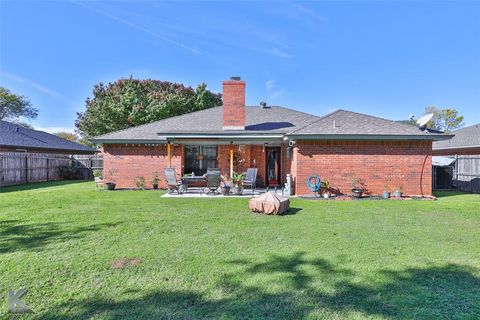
column 15, row 305
column 314, row 184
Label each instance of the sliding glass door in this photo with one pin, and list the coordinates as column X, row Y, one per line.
column 199, row 158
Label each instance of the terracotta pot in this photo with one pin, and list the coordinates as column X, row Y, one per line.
column 225, row 191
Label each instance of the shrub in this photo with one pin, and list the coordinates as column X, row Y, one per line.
column 140, row 182
column 69, row 172
column 97, row 173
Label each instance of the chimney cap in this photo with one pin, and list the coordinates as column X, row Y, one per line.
column 235, row 78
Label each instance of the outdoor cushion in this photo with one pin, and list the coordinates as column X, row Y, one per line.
column 269, row 203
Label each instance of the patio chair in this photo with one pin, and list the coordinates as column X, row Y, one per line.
column 251, row 179
column 172, row 182
column 213, row 182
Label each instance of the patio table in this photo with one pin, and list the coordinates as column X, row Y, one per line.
column 193, row 179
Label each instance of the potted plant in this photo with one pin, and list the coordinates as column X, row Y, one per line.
column 386, row 193
column 399, row 192
column 325, row 189
column 155, row 180
column 225, row 185
column 110, row 185
column 237, row 180
column 140, row 182
column 357, row 187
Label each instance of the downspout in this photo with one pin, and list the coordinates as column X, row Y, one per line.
column 169, row 155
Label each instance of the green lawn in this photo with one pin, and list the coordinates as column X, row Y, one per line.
column 212, row 258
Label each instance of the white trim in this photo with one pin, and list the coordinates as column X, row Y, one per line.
column 233, row 127
column 459, row 147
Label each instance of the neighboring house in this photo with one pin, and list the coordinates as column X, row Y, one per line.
column 15, row 138
column 457, row 161
column 465, row 142
column 278, row 141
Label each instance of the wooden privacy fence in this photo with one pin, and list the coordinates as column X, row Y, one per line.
column 18, row 168
column 467, row 173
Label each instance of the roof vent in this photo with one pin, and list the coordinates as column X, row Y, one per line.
column 235, row 78
column 263, row 104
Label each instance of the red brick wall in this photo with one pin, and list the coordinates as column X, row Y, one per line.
column 377, row 163
column 133, row 161
column 234, row 103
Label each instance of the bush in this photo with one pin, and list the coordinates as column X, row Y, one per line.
column 140, row 182
column 97, row 173
column 69, row 172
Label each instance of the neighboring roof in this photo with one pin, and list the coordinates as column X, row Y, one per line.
column 272, row 122
column 468, row 137
column 441, row 161
column 344, row 124
column 16, row 136
column 259, row 121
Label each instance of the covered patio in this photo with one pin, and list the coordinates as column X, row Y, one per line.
column 229, row 152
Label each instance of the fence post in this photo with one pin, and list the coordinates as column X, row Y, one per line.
column 26, row 169
column 48, row 168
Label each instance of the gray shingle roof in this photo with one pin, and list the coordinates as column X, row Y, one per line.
column 465, row 137
column 15, row 136
column 342, row 122
column 272, row 120
column 258, row 121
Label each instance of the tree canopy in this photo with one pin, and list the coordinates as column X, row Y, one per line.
column 445, row 120
column 131, row 102
column 73, row 137
column 14, row 106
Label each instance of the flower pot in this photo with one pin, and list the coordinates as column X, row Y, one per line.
column 110, row 186
column 155, row 186
column 398, row 194
column 238, row 190
column 386, row 194
column 225, row 190
column 357, row 193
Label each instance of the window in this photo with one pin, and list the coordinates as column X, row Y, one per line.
column 199, row 158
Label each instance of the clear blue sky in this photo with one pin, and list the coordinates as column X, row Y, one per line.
column 389, row 59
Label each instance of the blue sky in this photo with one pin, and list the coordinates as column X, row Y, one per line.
column 389, row 59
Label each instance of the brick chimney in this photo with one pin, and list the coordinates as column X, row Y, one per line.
column 234, row 104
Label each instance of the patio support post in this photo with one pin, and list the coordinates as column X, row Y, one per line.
column 169, row 154
column 231, row 160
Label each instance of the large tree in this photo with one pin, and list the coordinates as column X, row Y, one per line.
column 132, row 102
column 73, row 137
column 14, row 106
column 445, row 120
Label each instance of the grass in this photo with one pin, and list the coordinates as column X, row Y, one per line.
column 204, row 258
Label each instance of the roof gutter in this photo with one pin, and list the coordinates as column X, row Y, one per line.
column 366, row 137
column 456, row 147
column 129, row 141
column 220, row 136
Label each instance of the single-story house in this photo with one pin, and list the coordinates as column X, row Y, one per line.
column 463, row 152
column 15, row 138
column 465, row 142
column 339, row 147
